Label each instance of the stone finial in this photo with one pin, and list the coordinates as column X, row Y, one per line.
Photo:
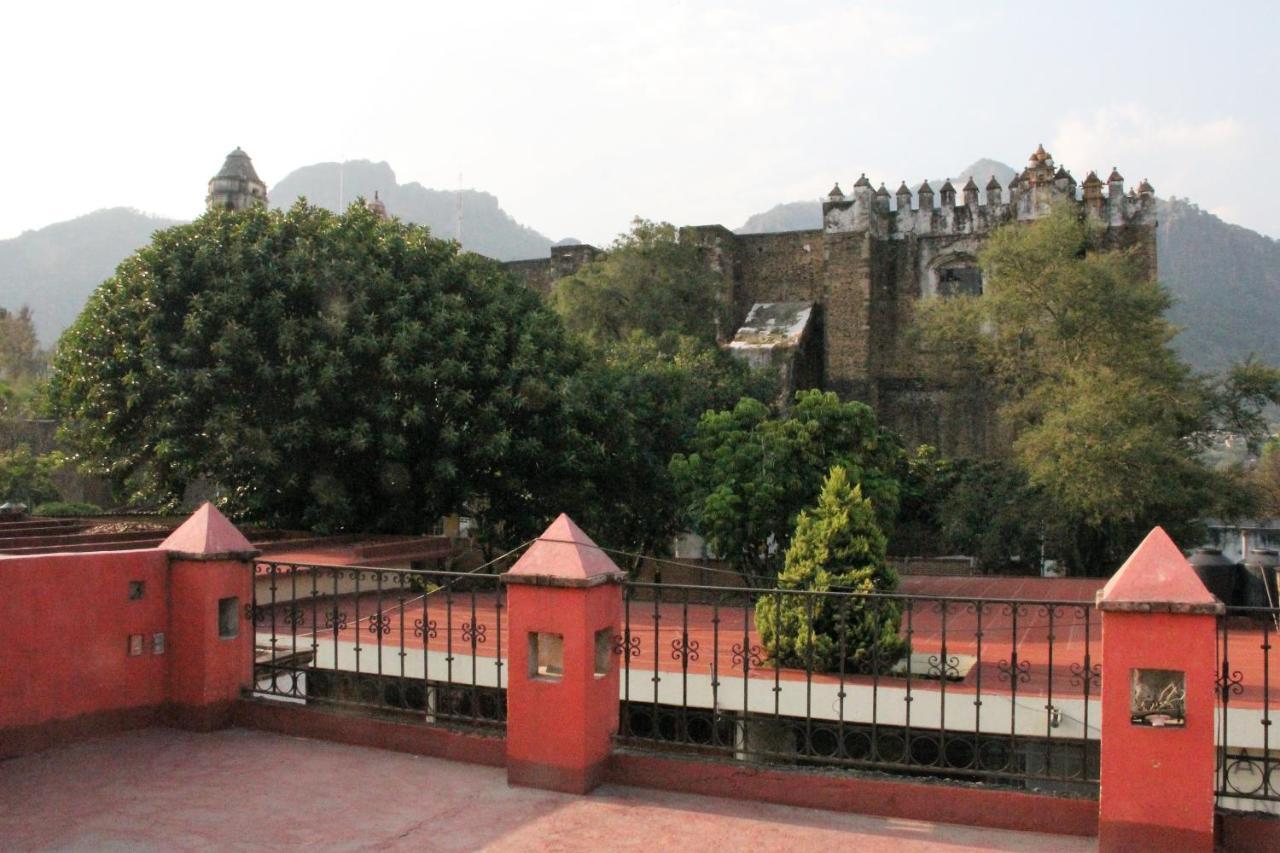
column 1157, row 578
column 208, row 535
column 836, row 193
column 377, row 207
column 564, row 556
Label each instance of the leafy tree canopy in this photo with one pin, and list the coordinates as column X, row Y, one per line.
column 750, row 473
column 837, row 546
column 648, row 281
column 26, row 477
column 639, row 400
column 1107, row 422
column 20, row 355
column 337, row 372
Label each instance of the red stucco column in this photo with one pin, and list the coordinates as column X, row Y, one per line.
column 565, row 604
column 1158, row 631
column 210, row 641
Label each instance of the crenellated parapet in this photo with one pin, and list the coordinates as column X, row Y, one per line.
column 1031, row 195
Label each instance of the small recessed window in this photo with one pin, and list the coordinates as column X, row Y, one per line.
column 135, row 645
column 604, row 652
column 136, row 590
column 228, row 618
column 546, row 655
column 1158, row 697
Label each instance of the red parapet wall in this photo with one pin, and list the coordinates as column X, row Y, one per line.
column 65, row 664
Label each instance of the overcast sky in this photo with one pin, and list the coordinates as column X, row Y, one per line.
column 579, row 116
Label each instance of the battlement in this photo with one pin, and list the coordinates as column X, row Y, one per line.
column 1030, row 195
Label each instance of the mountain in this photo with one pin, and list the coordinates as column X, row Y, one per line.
column 486, row 227
column 1225, row 279
column 55, row 268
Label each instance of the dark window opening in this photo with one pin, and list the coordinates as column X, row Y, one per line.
column 960, row 281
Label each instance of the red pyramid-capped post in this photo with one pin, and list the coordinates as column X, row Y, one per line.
column 210, row 641
column 565, row 603
column 1159, row 663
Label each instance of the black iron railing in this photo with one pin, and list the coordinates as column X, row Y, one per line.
column 409, row 643
column 1248, row 756
column 997, row 690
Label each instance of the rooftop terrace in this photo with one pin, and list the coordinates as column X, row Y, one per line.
column 162, row 789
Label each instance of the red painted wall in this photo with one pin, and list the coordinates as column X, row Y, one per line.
column 66, row 620
column 205, row 668
column 1157, row 783
column 559, row 733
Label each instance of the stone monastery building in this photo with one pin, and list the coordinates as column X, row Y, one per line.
column 830, row 307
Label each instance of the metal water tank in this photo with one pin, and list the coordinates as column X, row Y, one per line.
column 1216, row 572
column 1259, row 587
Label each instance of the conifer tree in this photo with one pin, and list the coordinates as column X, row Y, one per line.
column 837, row 546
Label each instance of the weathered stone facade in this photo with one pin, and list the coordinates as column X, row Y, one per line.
column 875, row 257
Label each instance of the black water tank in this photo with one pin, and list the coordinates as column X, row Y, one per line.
column 1259, row 587
column 1216, row 572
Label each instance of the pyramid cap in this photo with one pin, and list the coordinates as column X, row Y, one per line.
column 238, row 165
column 882, row 191
column 925, row 188
column 1092, row 180
column 862, row 181
column 970, row 185
column 946, row 186
column 208, row 535
column 993, row 184
column 1157, row 578
column 836, row 192
column 1115, row 175
column 903, row 189
column 564, row 556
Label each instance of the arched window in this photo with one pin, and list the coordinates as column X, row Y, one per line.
column 956, row 276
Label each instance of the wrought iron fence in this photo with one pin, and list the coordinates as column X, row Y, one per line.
column 1248, row 758
column 998, row 690
column 409, row 643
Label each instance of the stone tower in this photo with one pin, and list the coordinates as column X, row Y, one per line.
column 236, row 186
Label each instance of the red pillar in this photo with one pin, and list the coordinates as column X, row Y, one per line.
column 1159, row 625
column 210, row 639
column 565, row 606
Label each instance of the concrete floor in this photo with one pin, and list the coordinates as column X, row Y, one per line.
column 162, row 789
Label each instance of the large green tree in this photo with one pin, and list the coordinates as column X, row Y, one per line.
column 837, row 547
column 749, row 473
column 339, row 372
column 1107, row 422
column 647, row 281
column 637, row 402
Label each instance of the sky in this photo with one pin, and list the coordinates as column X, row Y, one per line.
column 579, row 116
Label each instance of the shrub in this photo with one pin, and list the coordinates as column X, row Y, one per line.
column 66, row 509
column 837, row 546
